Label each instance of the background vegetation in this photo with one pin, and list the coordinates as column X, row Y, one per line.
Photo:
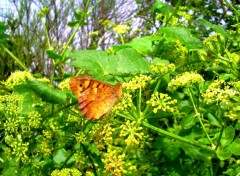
column 179, row 64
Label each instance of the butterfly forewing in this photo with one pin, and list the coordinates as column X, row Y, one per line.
column 95, row 98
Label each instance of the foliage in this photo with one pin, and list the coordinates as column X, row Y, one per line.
column 179, row 113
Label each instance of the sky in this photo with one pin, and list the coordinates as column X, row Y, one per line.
column 5, row 6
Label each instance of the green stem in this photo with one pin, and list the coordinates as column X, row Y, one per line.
column 139, row 102
column 80, row 22
column 156, row 88
column 122, row 40
column 15, row 58
column 125, row 116
column 231, row 6
column 198, row 116
column 193, row 143
column 46, row 31
column 174, row 12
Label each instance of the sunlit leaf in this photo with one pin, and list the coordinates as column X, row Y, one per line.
column 47, row 93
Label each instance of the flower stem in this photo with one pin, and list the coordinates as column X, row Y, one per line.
column 15, row 58
column 193, row 143
column 199, row 116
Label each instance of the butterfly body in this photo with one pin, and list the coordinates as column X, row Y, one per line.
column 95, row 98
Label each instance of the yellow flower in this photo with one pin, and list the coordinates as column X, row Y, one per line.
column 187, row 79
column 137, row 82
column 64, row 85
column 17, row 78
column 163, row 102
column 121, row 29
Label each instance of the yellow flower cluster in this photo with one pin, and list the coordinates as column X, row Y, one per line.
column 162, row 68
column 45, row 148
column 102, row 134
column 64, row 85
column 73, row 118
column 114, row 162
column 163, row 102
column 183, row 12
column 132, row 133
column 19, row 77
column 12, row 110
column 34, row 119
column 215, row 93
column 173, row 22
column 121, row 29
column 92, row 34
column 80, row 137
column 11, row 125
column 202, row 54
column 137, row 82
column 107, row 134
column 212, row 39
column 187, row 79
column 180, row 52
column 47, row 134
column 125, row 103
column 66, row 172
column 222, row 94
column 19, row 148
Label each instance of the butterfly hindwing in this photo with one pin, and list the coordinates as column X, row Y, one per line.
column 95, row 98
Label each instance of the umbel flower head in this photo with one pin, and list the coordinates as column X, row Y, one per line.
column 17, row 78
column 224, row 95
column 187, row 79
column 137, row 82
column 162, row 102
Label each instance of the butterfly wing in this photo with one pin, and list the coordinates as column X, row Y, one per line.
column 95, row 98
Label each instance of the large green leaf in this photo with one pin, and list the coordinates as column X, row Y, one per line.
column 26, row 92
column 142, row 45
column 181, row 34
column 227, row 136
column 224, row 154
column 235, row 147
column 216, row 28
column 47, row 93
column 60, row 156
column 104, row 67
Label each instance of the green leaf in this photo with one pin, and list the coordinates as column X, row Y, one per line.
column 9, row 166
column 181, row 34
column 160, row 7
column 26, row 92
column 104, row 67
column 60, row 156
column 224, row 154
column 213, row 120
column 196, row 153
column 142, row 45
column 47, row 93
column 226, row 76
column 53, row 55
column 189, row 121
column 216, row 28
column 72, row 24
column 227, row 136
column 79, row 14
column 235, row 147
column 3, row 27
column 170, row 147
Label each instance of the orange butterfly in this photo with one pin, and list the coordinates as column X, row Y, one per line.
column 95, row 98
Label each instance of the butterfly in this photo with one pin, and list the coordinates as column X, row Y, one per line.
column 95, row 98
